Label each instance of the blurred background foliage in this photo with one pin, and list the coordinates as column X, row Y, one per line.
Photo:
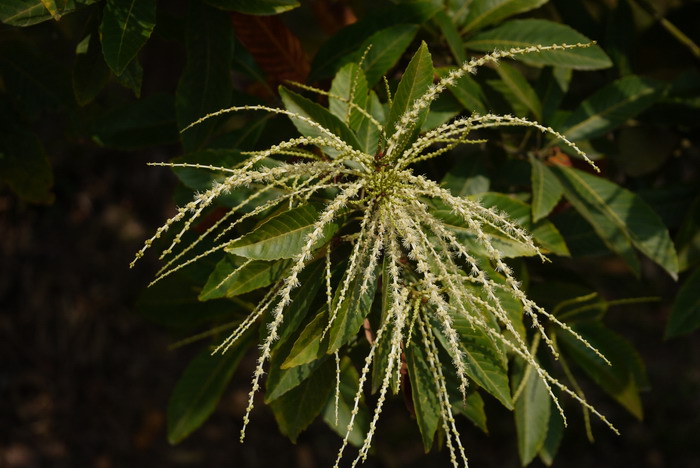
column 92, row 90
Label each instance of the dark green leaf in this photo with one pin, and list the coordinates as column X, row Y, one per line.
column 533, row 32
column 282, row 236
column 23, row 12
column 543, row 231
column 425, row 394
column 367, row 132
column 611, row 106
column 29, row 12
column 146, row 122
column 132, row 77
column 644, row 149
column 485, row 12
column 351, row 312
column 297, row 408
column 619, row 217
column 349, row 381
column 199, row 389
column 90, row 72
column 231, row 278
column 34, row 83
column 388, row 45
column 302, row 298
column 205, row 84
column 24, row 166
column 552, row 85
column 555, row 432
column 309, row 347
column 344, row 46
column 468, row 92
column 467, row 176
column 126, row 27
column 280, row 381
column 298, row 104
column 685, row 315
column 451, row 34
column 546, row 190
column 624, row 378
column 413, row 85
column 173, row 302
column 517, row 91
column 688, row 238
column 472, row 408
column 485, row 363
column 532, row 414
column 255, row 7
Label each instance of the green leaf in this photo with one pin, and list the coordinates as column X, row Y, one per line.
column 452, row 36
column 546, row 190
column 282, row 236
column 367, row 132
column 255, row 7
column 35, row 84
column 132, row 77
column 388, row 45
column 126, row 27
column 472, row 408
column 517, row 91
column 298, row 104
column 486, row 12
column 555, row 432
column 532, row 414
column 621, row 380
column 24, row 166
column 302, row 298
column 230, row 278
column 349, row 381
column 611, row 106
column 533, row 32
column 344, row 46
column 552, row 85
column 309, row 347
column 23, row 12
column 297, row 408
column 544, row 232
column 688, row 237
column 468, row 92
column 173, row 302
column 28, row 12
column 467, row 177
column 280, row 381
column 199, row 389
column 425, row 394
column 90, row 72
column 484, row 362
column 139, row 124
column 619, row 217
column 685, row 314
column 349, row 82
column 353, row 309
column 413, row 85
column 205, row 84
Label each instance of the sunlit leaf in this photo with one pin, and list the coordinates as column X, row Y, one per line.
column 533, row 32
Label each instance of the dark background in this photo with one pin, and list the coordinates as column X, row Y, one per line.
column 84, row 381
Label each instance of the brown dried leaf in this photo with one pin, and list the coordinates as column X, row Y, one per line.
column 273, row 46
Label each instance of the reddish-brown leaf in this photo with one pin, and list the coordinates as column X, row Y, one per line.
column 273, row 46
column 333, row 15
